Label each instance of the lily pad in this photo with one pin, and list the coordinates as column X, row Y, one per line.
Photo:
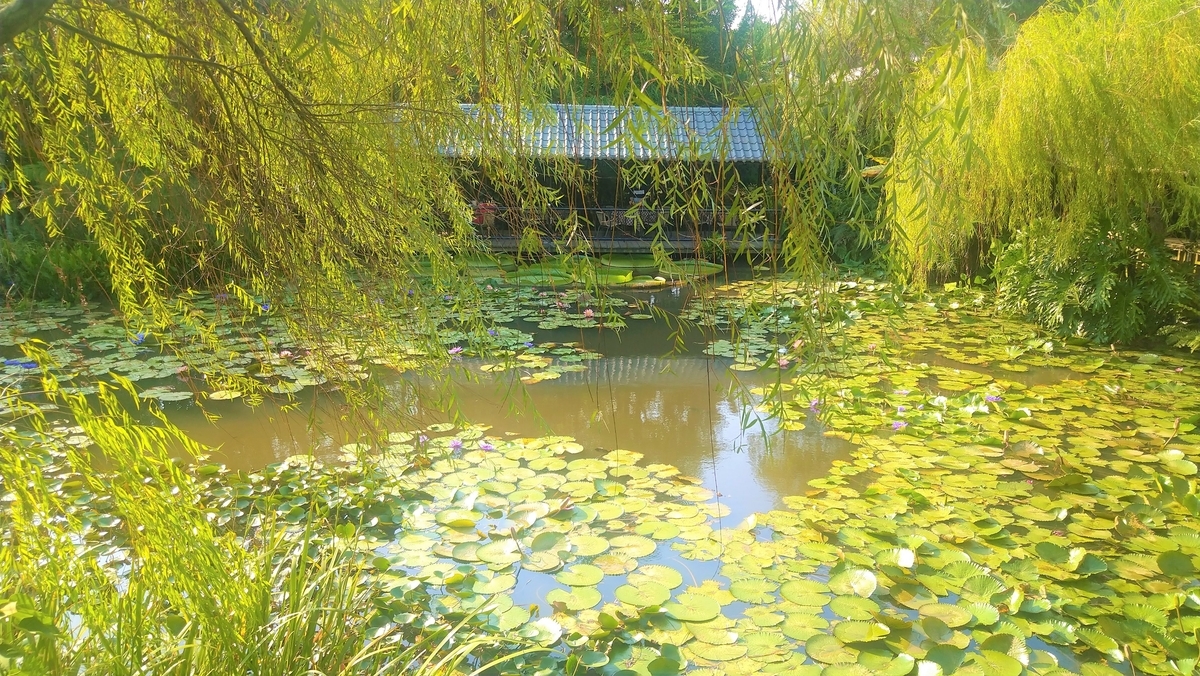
column 857, row 581
column 578, row 598
column 752, row 590
column 580, row 575
column 643, row 594
column 693, row 608
column 860, row 631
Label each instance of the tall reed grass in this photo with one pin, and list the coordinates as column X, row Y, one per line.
column 155, row 587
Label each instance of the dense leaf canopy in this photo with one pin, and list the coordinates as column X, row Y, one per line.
column 1077, row 145
column 292, row 153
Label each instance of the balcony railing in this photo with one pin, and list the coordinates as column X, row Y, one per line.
column 639, row 222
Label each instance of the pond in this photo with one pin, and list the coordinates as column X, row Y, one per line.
column 671, row 403
column 924, row 487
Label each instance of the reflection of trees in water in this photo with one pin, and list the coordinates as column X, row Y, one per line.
column 782, row 461
column 681, row 417
column 803, row 456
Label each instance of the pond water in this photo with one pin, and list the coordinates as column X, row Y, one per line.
column 649, row 393
column 954, row 487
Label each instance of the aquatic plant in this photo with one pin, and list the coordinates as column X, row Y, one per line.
column 128, row 571
column 84, row 346
column 1038, row 522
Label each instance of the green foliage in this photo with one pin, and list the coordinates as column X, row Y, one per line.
column 685, row 46
column 289, row 150
column 1078, row 143
column 1182, row 335
column 833, row 93
column 62, row 270
column 123, row 571
column 1118, row 289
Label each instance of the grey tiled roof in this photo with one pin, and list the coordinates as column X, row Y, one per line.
column 612, row 133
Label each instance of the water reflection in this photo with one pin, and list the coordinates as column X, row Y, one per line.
column 652, row 393
column 688, row 412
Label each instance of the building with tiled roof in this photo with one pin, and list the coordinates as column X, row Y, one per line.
column 604, row 132
column 608, row 141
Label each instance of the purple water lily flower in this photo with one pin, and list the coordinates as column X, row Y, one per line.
column 491, row 332
column 487, row 446
column 456, row 444
column 222, row 296
column 898, row 425
column 422, row 439
column 993, row 397
column 900, row 409
column 528, row 344
column 138, row 339
column 456, row 349
column 812, row 405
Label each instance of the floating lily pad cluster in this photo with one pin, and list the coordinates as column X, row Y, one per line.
column 546, row 361
column 453, row 522
column 550, row 309
column 611, row 271
column 522, row 507
column 92, row 345
column 762, row 318
column 1016, row 505
column 986, row 525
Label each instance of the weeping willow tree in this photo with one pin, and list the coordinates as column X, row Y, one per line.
column 1075, row 152
column 296, row 151
column 831, row 85
column 291, row 154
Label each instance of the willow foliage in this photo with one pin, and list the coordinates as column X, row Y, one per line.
column 286, row 150
column 295, row 153
column 1077, row 148
column 833, row 87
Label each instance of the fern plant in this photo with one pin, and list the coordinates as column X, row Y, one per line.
column 1120, row 288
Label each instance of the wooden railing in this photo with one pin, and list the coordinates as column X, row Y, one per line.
column 636, row 222
column 1185, row 251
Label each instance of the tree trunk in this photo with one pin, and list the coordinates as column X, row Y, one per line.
column 19, row 16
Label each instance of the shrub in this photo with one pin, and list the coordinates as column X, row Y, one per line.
column 62, row 269
column 1115, row 286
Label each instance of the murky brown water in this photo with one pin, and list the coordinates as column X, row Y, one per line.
column 683, row 409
